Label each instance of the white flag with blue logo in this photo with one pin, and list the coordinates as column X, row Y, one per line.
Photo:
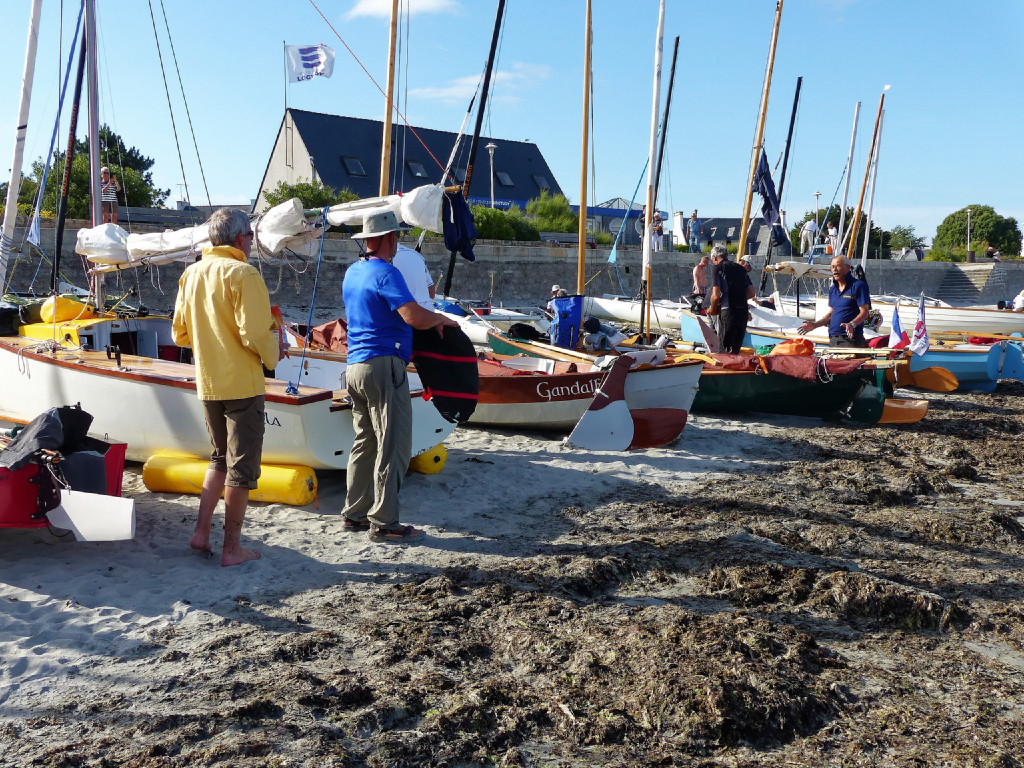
column 308, row 61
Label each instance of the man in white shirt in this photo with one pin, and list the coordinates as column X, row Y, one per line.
column 808, row 232
column 417, row 276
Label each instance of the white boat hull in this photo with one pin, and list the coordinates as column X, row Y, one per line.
column 152, row 406
column 664, row 314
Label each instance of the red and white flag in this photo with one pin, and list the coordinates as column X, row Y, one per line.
column 898, row 338
column 919, row 344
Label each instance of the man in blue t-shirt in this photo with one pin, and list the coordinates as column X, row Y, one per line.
column 381, row 313
column 849, row 302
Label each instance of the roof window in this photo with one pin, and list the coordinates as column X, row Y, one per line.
column 504, row 179
column 541, row 181
column 417, row 169
column 353, row 166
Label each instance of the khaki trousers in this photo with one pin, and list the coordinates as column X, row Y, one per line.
column 382, row 418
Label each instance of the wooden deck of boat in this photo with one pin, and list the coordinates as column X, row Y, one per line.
column 147, row 369
column 165, row 372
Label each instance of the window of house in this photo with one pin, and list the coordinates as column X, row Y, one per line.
column 504, row 179
column 417, row 169
column 460, row 175
column 353, row 166
column 541, row 181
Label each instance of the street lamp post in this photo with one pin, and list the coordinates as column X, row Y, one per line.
column 968, row 234
column 491, row 146
column 816, row 196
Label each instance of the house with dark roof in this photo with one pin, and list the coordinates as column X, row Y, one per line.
column 726, row 231
column 344, row 153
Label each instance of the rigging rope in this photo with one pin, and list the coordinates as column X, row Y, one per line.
column 293, row 389
column 188, row 114
column 390, row 102
column 167, row 91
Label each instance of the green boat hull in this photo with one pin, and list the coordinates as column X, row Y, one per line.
column 856, row 395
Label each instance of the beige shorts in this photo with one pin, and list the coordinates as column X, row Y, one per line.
column 236, row 431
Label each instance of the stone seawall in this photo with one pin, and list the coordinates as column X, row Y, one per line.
column 521, row 274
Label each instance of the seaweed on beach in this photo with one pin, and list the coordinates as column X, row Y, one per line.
column 854, row 599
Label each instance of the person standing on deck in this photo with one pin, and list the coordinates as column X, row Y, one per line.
column 849, row 302
column 693, row 232
column 109, row 187
column 223, row 312
column 730, row 291
column 381, row 314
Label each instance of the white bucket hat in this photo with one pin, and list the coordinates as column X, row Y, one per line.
column 378, row 224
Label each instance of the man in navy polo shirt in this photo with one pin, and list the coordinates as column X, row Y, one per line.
column 849, row 302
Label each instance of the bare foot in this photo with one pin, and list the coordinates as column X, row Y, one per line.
column 200, row 543
column 238, row 556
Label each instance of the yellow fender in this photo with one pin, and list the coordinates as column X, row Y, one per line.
column 430, row 462
column 281, row 484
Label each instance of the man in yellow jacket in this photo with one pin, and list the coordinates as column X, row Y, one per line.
column 223, row 313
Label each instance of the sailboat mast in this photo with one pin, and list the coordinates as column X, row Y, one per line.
column 581, row 252
column 651, row 170
column 664, row 119
column 871, row 198
column 846, row 187
column 14, row 187
column 69, row 156
column 385, row 145
column 94, row 112
column 789, row 136
column 759, row 136
column 476, row 130
column 782, row 183
column 867, row 173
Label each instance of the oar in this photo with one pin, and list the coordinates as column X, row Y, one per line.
column 606, row 425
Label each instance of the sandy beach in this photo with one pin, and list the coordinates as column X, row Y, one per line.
column 765, row 591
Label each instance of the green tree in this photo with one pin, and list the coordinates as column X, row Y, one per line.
column 904, row 236
column 313, row 194
column 132, row 168
column 553, row 214
column 987, row 228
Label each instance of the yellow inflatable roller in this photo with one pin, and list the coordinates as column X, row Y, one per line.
column 429, row 462
column 281, row 484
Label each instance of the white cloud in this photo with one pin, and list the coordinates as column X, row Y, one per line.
column 506, row 84
column 382, row 8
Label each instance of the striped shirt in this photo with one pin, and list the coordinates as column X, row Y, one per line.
column 108, row 192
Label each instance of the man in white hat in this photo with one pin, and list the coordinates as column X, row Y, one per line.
column 746, row 263
column 381, row 314
column 557, row 292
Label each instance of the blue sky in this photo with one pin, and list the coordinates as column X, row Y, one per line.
column 951, row 124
